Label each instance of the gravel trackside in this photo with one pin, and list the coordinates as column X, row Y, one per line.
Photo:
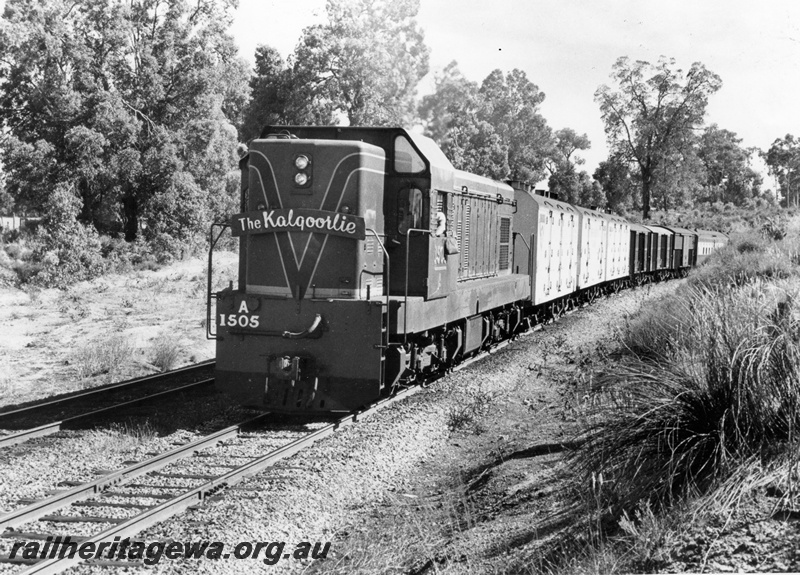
column 340, row 485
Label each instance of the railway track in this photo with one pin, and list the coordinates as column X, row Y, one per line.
column 51, row 416
column 120, row 504
column 147, row 492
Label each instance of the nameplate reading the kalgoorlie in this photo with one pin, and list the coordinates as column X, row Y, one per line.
column 299, row 220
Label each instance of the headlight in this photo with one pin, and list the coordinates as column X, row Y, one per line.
column 301, row 162
column 301, row 179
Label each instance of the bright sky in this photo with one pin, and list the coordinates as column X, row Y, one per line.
column 567, row 48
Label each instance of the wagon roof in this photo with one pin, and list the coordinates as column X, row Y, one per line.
column 658, row 229
column 711, row 233
column 682, row 231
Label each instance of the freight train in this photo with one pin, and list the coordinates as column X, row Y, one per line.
column 367, row 263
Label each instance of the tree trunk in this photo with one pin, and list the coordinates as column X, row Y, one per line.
column 647, row 181
column 131, row 218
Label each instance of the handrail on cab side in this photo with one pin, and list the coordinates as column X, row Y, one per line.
column 405, row 295
column 212, row 242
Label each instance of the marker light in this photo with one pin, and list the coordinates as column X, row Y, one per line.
column 301, row 162
column 301, row 179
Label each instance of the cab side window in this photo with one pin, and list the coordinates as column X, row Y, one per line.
column 410, row 210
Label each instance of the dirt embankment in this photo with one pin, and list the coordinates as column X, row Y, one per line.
column 51, row 340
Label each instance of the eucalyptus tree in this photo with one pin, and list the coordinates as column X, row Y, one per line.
column 619, row 183
column 365, row 62
column 565, row 180
column 454, row 116
column 652, row 113
column 495, row 129
column 728, row 174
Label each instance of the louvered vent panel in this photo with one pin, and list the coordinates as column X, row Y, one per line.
column 465, row 239
column 504, row 257
column 505, row 241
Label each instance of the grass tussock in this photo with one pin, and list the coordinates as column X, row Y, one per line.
column 713, row 383
column 121, row 438
column 106, row 354
column 166, row 352
column 471, row 403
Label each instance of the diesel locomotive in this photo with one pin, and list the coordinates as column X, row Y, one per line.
column 368, row 262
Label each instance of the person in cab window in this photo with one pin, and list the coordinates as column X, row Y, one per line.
column 441, row 224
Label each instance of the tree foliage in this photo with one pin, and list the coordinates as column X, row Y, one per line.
column 651, row 115
column 565, row 180
column 364, row 63
column 279, row 95
column 620, row 185
column 494, row 129
column 783, row 159
column 129, row 104
column 728, row 175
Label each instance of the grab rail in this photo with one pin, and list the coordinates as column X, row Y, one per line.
column 405, row 297
column 209, row 295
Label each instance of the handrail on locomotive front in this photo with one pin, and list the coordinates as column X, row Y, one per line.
column 387, row 283
column 209, row 294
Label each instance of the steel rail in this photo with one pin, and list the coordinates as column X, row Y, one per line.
column 107, row 388
column 56, row 426
column 40, row 508
column 195, row 495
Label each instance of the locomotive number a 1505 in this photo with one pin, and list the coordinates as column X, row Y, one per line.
column 236, row 320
